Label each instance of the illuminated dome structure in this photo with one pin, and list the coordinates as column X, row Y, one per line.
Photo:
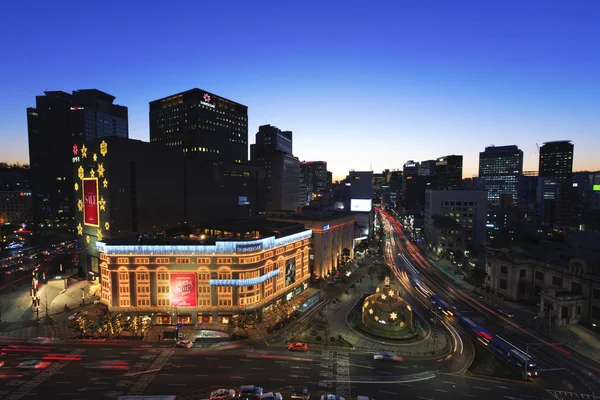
column 386, row 314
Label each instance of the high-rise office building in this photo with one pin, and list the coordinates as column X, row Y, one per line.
column 315, row 176
column 556, row 160
column 270, row 139
column 207, row 127
column 448, row 171
column 58, row 121
column 273, row 151
column 501, row 168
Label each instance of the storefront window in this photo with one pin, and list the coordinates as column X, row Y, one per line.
column 205, row 318
column 224, row 319
column 162, row 319
column 184, row 319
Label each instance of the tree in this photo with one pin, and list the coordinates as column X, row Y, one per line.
column 119, row 323
column 81, row 324
column 477, row 276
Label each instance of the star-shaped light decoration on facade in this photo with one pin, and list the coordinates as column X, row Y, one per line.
column 371, row 311
column 92, row 173
column 207, row 97
column 377, row 290
column 87, row 239
column 101, row 170
column 79, row 229
column 376, row 318
column 391, row 292
column 83, row 151
column 99, row 234
column 76, row 186
column 103, row 148
column 383, row 297
column 80, row 205
column 366, row 303
column 393, row 315
column 95, row 157
column 102, row 203
column 80, row 172
column 75, row 149
column 107, row 226
column 105, row 183
column 401, row 323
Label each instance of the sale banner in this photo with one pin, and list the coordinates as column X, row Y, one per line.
column 90, row 202
column 183, row 290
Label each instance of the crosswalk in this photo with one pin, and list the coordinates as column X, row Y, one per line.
column 505, row 327
column 562, row 395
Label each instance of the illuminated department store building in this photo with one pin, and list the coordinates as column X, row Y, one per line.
column 216, row 273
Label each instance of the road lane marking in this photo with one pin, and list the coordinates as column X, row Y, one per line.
column 362, row 366
column 469, row 395
column 189, row 365
column 425, row 398
column 177, row 384
column 440, row 390
column 277, row 379
column 385, row 391
column 482, row 388
column 210, row 358
column 237, row 377
column 260, row 369
column 203, row 376
column 143, row 372
column 400, row 367
column 65, row 383
column 224, row 366
column 448, row 382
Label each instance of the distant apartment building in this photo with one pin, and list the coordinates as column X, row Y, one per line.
column 500, row 167
column 57, row 125
column 205, row 126
column 15, row 206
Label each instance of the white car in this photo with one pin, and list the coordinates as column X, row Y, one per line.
column 386, row 355
column 72, row 317
column 331, row 396
column 33, row 364
column 185, row 343
column 39, row 340
column 222, row 394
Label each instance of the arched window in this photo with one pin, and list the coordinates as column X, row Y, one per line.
column 224, row 293
column 123, row 283
column 163, row 287
column 204, row 297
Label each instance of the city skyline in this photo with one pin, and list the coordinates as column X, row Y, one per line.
column 410, row 84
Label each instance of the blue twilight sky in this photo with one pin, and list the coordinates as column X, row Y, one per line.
column 360, row 83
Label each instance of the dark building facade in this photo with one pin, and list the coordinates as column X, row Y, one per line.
column 501, row 168
column 124, row 191
column 448, row 171
column 205, row 126
column 556, row 160
column 273, row 152
column 315, row 176
column 59, row 121
column 555, row 191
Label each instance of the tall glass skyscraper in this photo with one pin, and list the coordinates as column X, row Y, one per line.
column 500, row 168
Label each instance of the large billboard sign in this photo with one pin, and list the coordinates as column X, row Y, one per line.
column 360, row 205
column 183, row 290
column 91, row 213
column 248, row 248
column 290, row 271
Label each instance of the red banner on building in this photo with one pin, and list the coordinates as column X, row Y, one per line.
column 183, row 290
column 90, row 202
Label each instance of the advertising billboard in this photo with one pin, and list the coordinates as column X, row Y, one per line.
column 183, row 290
column 90, row 202
column 596, row 188
column 290, row 271
column 360, row 205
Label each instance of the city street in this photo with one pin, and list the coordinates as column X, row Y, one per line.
column 194, row 373
column 559, row 369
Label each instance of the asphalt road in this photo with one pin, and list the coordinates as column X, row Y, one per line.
column 560, row 369
column 161, row 369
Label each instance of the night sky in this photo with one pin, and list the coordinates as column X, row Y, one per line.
column 359, row 83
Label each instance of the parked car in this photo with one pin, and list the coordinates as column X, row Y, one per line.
column 34, row 364
column 250, row 392
column 387, row 356
column 297, row 346
column 222, row 394
column 184, row 343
